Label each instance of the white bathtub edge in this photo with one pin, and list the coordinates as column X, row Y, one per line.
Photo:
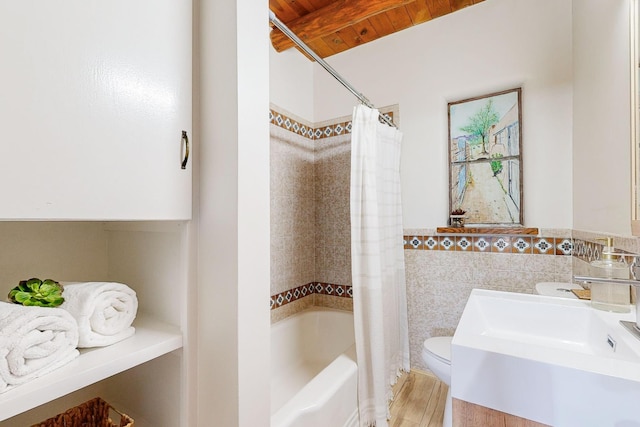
column 324, row 387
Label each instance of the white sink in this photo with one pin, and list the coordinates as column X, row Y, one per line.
column 553, row 360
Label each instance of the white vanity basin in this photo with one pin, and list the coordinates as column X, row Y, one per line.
column 553, row 360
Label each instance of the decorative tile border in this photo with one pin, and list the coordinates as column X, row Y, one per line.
column 532, row 245
column 583, row 249
column 327, row 131
column 491, row 244
column 284, row 298
column 589, row 251
column 290, row 124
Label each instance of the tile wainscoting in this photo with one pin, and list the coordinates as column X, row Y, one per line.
column 460, row 242
column 442, row 271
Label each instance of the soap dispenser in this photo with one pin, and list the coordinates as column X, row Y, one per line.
column 609, row 265
column 610, row 296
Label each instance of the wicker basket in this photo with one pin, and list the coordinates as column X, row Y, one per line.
column 94, row 413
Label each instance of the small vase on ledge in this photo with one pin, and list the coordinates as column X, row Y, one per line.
column 456, row 219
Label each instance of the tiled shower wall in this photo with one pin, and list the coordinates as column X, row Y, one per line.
column 310, row 244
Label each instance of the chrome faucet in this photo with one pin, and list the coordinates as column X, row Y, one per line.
column 634, row 268
column 634, row 280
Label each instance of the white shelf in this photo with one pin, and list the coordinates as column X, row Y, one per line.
column 152, row 339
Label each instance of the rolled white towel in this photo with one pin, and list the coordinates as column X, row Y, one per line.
column 104, row 311
column 34, row 341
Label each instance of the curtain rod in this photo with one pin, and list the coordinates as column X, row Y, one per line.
column 294, row 38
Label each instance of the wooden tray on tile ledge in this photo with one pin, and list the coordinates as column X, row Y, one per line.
column 487, row 230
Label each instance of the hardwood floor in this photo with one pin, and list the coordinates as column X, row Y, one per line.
column 419, row 402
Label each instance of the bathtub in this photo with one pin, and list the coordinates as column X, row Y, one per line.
column 313, row 370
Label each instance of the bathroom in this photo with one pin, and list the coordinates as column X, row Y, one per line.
column 572, row 102
column 577, row 180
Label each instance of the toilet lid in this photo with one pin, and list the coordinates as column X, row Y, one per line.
column 440, row 347
column 557, row 289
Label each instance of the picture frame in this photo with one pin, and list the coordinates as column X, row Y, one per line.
column 485, row 159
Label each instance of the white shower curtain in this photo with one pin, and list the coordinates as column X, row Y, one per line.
column 377, row 258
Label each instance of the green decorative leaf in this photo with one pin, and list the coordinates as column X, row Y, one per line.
column 34, row 292
column 56, row 302
column 22, row 297
column 34, row 284
column 47, row 288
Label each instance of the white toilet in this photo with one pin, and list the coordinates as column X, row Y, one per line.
column 436, row 354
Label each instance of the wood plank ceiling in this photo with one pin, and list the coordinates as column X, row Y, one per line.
column 332, row 26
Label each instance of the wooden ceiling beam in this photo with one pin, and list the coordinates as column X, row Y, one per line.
column 331, row 18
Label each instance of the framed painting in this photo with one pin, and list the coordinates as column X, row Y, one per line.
column 485, row 159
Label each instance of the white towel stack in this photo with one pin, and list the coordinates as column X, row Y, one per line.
column 104, row 311
column 33, row 342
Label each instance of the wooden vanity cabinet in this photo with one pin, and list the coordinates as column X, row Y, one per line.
column 467, row 414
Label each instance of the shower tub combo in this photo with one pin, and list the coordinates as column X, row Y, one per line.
column 314, row 371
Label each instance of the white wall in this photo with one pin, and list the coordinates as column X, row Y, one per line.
column 291, row 82
column 602, row 114
column 494, row 45
column 43, row 249
column 233, row 215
